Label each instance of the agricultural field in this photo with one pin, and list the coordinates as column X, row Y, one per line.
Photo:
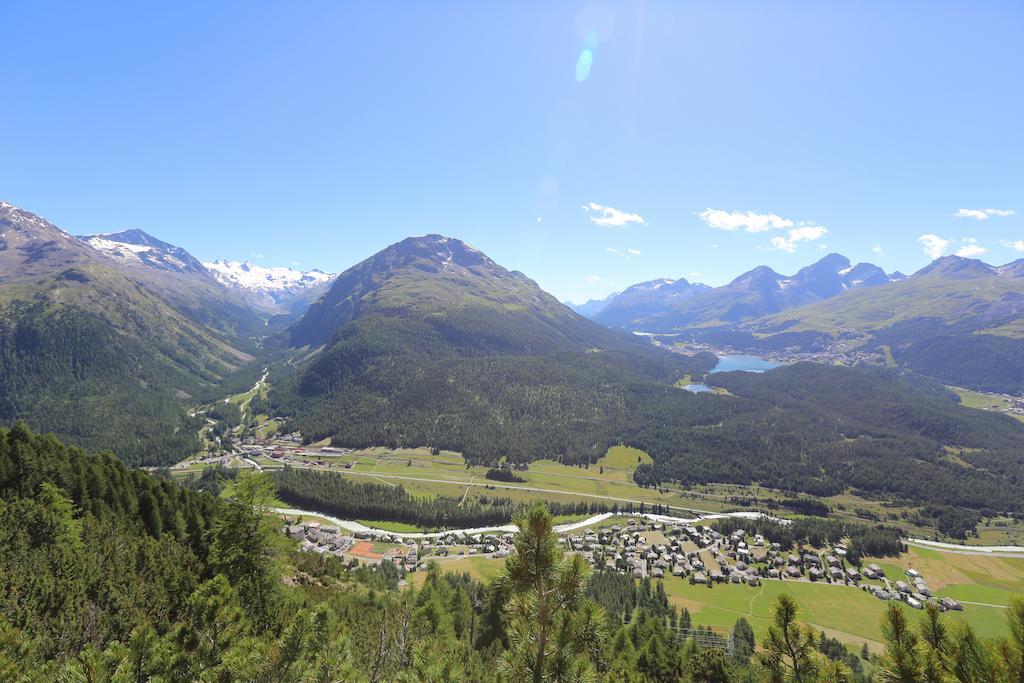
column 982, row 401
column 982, row 582
column 846, row 613
column 999, row 531
column 479, row 568
column 609, row 480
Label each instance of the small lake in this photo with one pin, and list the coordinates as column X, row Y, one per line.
column 697, row 388
column 745, row 363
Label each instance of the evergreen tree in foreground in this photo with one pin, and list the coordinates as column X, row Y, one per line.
column 789, row 653
column 555, row 632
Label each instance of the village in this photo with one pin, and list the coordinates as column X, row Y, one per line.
column 272, row 451
column 643, row 548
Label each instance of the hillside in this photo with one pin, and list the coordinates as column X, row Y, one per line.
column 430, row 342
column 112, row 574
column 439, row 346
column 104, row 349
column 822, row 430
column 957, row 319
column 472, row 302
column 666, row 305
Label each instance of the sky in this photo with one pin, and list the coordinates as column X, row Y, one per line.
column 588, row 145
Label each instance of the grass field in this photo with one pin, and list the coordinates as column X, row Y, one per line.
column 980, row 401
column 397, row 527
column 848, row 614
column 447, row 474
column 950, row 573
column 479, row 568
column 608, row 481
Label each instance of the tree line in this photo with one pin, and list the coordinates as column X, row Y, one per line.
column 94, row 588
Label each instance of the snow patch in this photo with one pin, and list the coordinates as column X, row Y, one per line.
column 262, row 279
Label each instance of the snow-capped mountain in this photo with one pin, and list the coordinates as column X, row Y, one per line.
column 280, row 289
column 135, row 247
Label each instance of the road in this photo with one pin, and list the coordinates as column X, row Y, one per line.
column 359, row 527
column 986, row 550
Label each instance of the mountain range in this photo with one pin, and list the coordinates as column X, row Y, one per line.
column 954, row 308
column 667, row 305
column 107, row 340
column 275, row 289
column 267, row 290
column 430, row 342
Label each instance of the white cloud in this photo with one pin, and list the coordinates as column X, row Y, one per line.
column 635, row 252
column 611, row 250
column 933, row 245
column 693, row 275
column 539, row 220
column 983, row 214
column 877, row 250
column 748, row 221
column 971, row 248
column 611, row 217
column 804, row 233
column 593, row 279
column 1017, row 246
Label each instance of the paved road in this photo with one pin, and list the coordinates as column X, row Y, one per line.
column 986, row 550
column 357, row 527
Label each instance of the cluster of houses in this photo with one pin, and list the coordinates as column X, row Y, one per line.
column 706, row 556
column 916, row 595
column 700, row 553
column 282, row 448
column 408, row 554
column 321, row 538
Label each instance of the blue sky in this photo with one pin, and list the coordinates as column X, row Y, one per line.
column 317, row 133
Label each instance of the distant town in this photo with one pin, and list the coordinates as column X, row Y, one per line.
column 640, row 547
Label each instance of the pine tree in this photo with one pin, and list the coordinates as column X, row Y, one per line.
column 555, row 631
column 789, row 648
column 1015, row 618
column 934, row 640
column 743, row 641
column 901, row 663
column 244, row 544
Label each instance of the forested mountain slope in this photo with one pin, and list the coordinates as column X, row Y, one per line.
column 957, row 319
column 431, row 342
column 824, row 429
column 110, row 574
column 104, row 352
column 427, row 356
column 477, row 306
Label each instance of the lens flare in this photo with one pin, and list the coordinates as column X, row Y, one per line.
column 586, row 58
